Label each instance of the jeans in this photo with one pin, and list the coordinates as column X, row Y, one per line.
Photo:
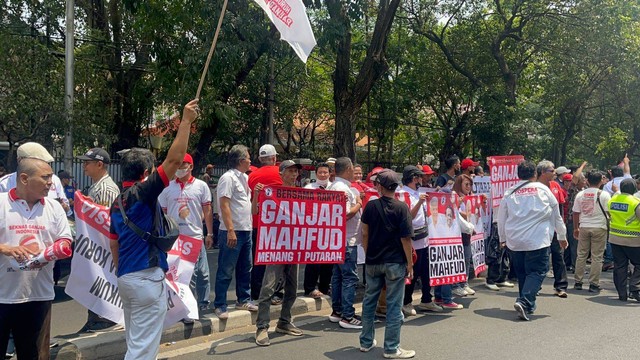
column 420, row 270
column 591, row 241
column 272, row 275
column 344, row 283
column 559, row 268
column 499, row 270
column 230, row 259
column 622, row 255
column 531, row 268
column 199, row 284
column 443, row 292
column 144, row 301
column 377, row 276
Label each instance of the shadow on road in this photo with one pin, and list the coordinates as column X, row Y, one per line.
column 613, row 301
column 507, row 315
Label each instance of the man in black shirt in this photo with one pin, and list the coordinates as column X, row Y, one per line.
column 453, row 167
column 386, row 238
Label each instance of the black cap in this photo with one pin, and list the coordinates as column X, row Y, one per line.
column 64, row 175
column 410, row 171
column 96, row 154
column 388, row 179
column 287, row 164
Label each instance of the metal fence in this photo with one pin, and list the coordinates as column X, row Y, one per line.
column 82, row 181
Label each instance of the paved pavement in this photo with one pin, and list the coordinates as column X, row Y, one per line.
column 583, row 326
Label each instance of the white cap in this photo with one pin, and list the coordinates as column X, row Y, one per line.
column 331, row 161
column 267, row 150
column 34, row 150
column 562, row 170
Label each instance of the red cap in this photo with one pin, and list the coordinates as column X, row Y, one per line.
column 567, row 177
column 467, row 163
column 374, row 172
column 188, row 159
column 426, row 169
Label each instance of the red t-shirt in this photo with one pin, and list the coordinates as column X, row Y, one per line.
column 558, row 191
column 268, row 175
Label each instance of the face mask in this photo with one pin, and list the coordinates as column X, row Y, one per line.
column 322, row 182
column 180, row 173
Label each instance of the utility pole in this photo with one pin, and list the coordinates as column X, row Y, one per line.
column 68, row 85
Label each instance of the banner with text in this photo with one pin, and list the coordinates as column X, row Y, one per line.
column 372, row 194
column 504, row 174
column 446, row 253
column 93, row 281
column 301, row 226
column 473, row 205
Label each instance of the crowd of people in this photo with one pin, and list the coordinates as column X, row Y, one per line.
column 556, row 215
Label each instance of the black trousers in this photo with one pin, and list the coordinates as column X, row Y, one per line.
column 622, row 256
column 559, row 268
column 30, row 324
column 317, row 274
column 571, row 253
column 420, row 270
column 498, row 271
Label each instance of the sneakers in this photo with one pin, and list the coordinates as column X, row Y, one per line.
column 408, row 310
column 607, row 267
column 452, row 306
column 288, row 329
column 459, row 292
column 438, row 301
column 262, row 337
column 493, row 287
column 335, row 317
column 367, row 349
column 400, row 354
column 221, row 313
column 522, row 312
column 594, row 288
column 561, row 293
column 353, row 323
column 507, row 284
column 635, row 295
column 249, row 306
column 577, row 286
column 430, row 306
column 469, row 290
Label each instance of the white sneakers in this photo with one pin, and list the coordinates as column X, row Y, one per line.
column 469, row 290
column 493, row 287
column 400, row 354
column 459, row 292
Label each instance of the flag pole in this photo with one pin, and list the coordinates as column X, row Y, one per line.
column 212, row 49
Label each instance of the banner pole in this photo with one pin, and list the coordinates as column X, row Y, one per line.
column 212, row 49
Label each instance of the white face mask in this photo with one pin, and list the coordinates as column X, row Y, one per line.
column 324, row 182
column 180, row 173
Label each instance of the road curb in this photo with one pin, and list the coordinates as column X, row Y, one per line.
column 110, row 345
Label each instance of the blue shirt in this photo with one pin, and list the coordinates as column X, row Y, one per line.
column 140, row 203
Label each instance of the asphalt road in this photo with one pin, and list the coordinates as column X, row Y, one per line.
column 582, row 326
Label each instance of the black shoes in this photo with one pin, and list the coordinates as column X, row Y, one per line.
column 577, row 286
column 594, row 288
column 635, row 295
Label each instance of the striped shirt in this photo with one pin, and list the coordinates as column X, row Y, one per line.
column 104, row 191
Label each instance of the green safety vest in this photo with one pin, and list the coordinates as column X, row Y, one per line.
column 622, row 209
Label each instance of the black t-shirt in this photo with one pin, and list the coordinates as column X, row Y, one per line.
column 385, row 246
column 443, row 179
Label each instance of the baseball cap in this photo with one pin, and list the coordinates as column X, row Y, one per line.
column 287, row 164
column 410, row 171
column 64, row 175
column 96, row 154
column 427, row 170
column 388, row 179
column 188, row 159
column 267, row 150
column 567, row 177
column 467, row 163
column 371, row 177
column 331, row 161
column 562, row 170
column 34, row 150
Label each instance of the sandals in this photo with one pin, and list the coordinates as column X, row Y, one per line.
column 276, row 300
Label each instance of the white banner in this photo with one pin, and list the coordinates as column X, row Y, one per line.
column 290, row 18
column 482, row 186
column 93, row 280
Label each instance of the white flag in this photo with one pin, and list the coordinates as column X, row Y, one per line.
column 290, row 18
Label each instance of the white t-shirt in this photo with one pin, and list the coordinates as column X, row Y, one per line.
column 608, row 186
column 39, row 227
column 315, row 185
column 586, row 204
column 354, row 227
column 234, row 186
column 184, row 202
column 420, row 219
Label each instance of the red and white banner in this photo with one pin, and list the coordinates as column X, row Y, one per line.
column 93, row 281
column 182, row 259
column 504, row 174
column 290, row 18
column 482, row 186
column 446, row 253
column 301, row 226
column 372, row 194
column 473, row 205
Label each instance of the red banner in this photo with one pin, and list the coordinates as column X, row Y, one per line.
column 504, row 174
column 372, row 194
column 301, row 226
